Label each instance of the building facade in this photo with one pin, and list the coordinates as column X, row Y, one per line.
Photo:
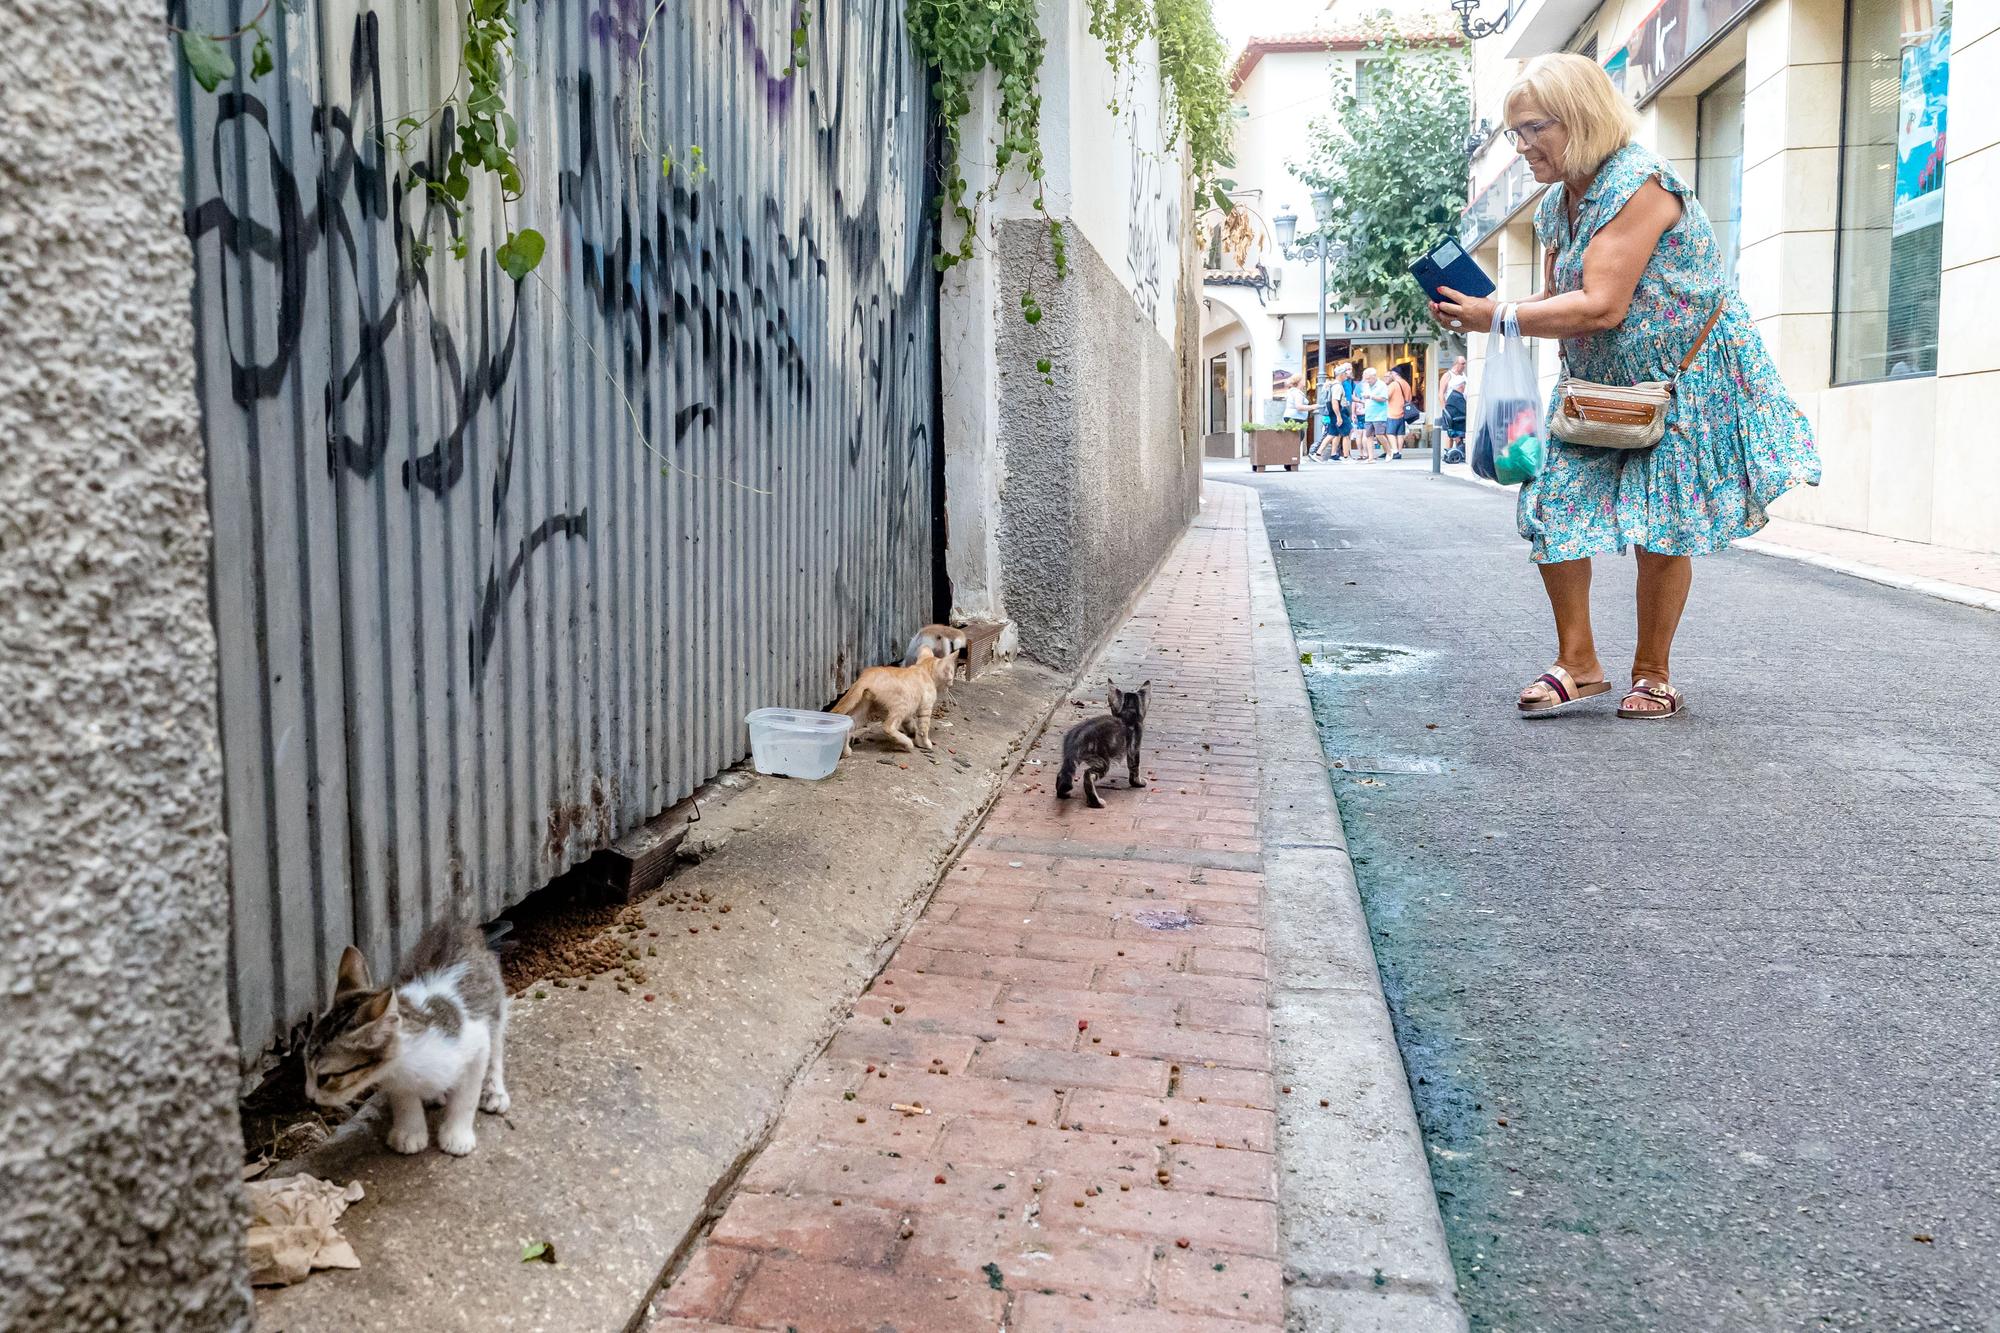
column 1864, row 240
column 1260, row 309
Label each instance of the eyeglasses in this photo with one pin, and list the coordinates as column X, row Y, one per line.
column 1528, row 131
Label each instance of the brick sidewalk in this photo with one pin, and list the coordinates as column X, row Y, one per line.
column 1081, row 1015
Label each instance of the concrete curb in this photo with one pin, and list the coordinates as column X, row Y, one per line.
column 1360, row 1236
column 1938, row 588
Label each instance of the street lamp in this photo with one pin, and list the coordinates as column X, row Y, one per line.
column 1317, row 246
column 1473, row 28
column 1286, row 224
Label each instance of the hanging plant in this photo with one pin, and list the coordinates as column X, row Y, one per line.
column 960, row 40
column 1194, row 79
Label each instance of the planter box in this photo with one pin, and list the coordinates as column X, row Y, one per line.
column 1274, row 448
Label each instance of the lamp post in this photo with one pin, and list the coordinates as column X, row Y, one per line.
column 1317, row 246
column 1474, row 29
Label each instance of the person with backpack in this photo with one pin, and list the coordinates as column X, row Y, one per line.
column 1336, row 404
column 1399, row 408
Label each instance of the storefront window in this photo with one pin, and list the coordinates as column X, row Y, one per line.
column 1891, row 189
column 1718, row 170
column 1218, row 395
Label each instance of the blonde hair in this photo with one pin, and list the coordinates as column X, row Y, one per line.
column 1576, row 92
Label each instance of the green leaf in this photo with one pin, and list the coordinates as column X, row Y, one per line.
column 1044, row 365
column 540, row 1252
column 207, row 59
column 994, row 1278
column 260, row 56
column 520, row 253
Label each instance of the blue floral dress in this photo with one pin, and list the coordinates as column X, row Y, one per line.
column 1734, row 442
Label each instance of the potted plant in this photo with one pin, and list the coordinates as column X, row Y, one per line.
column 1274, row 445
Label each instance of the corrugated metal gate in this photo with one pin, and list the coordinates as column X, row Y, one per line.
column 470, row 629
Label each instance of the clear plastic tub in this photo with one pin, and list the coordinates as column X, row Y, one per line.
column 792, row 743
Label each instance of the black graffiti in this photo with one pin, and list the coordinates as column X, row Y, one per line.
column 1152, row 222
column 777, row 304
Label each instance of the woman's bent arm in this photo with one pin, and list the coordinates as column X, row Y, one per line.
column 1618, row 254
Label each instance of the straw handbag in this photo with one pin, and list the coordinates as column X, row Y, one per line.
column 1612, row 416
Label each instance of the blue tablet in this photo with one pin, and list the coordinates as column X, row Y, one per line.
column 1449, row 266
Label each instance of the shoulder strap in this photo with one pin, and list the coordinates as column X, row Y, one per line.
column 1706, row 329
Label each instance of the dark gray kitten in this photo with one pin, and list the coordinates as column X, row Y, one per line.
column 1094, row 743
column 439, row 1031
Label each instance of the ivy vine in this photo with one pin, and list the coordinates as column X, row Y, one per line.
column 960, row 40
column 483, row 132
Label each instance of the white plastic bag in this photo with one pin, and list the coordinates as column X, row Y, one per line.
column 1507, row 427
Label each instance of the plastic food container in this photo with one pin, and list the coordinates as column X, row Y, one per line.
column 792, row 743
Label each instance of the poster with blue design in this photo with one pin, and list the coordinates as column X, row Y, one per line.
column 1920, row 132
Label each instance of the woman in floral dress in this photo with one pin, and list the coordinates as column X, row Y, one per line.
column 1633, row 273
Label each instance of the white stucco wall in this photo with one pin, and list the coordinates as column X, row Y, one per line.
column 1120, row 192
column 1108, row 175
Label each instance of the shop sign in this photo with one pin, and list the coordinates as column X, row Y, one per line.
column 1667, row 39
column 1369, row 328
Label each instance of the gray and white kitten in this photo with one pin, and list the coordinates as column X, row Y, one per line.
column 1092, row 745
column 439, row 1031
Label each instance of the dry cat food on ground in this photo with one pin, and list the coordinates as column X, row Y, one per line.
column 568, row 938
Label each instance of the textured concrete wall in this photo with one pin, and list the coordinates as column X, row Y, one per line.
column 1102, row 468
column 118, row 1141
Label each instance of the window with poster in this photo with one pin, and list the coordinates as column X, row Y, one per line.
column 1718, row 167
column 1897, row 71
column 1218, row 394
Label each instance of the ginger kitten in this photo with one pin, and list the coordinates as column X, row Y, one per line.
column 899, row 696
column 439, row 1031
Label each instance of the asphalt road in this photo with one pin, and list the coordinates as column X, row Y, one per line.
column 1702, row 1017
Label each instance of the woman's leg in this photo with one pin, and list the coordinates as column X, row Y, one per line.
column 1664, row 581
column 1568, row 584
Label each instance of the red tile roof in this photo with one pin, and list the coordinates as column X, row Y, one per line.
column 1323, row 39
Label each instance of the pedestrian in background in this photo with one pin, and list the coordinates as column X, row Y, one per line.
column 1455, row 378
column 1453, row 382
column 1357, row 410
column 1375, row 394
column 1295, row 402
column 1634, row 282
column 1451, row 423
column 1335, row 401
column 1398, row 412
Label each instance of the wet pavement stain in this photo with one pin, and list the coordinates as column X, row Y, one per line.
column 1358, row 659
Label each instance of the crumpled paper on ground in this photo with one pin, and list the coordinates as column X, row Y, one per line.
column 292, row 1231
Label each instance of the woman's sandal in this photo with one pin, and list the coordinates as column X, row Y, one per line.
column 1652, row 689
column 1562, row 692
